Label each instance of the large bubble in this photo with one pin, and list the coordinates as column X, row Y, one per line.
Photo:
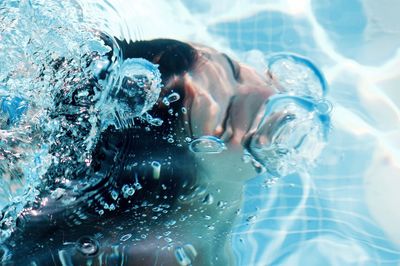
column 137, row 89
column 296, row 122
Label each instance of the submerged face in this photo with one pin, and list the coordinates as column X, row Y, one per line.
column 147, row 178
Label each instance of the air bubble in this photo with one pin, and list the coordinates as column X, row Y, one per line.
column 297, row 76
column 207, row 144
column 139, row 86
column 125, row 237
column 156, row 122
column 208, row 199
column 190, row 251
column 173, row 97
column 157, row 209
column 251, row 219
column 170, row 223
column 127, row 191
column 222, row 204
column 181, row 257
column 289, row 137
column 156, row 169
column 165, row 101
column 87, row 246
column 323, row 107
column 137, row 185
column 114, row 195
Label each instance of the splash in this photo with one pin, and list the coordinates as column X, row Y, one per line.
column 61, row 84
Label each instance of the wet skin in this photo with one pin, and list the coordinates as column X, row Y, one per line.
column 223, row 98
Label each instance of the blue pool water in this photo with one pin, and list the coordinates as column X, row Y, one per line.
column 315, row 186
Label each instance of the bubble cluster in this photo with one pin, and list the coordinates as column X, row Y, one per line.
column 62, row 84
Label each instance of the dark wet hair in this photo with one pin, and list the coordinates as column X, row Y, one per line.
column 172, row 56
